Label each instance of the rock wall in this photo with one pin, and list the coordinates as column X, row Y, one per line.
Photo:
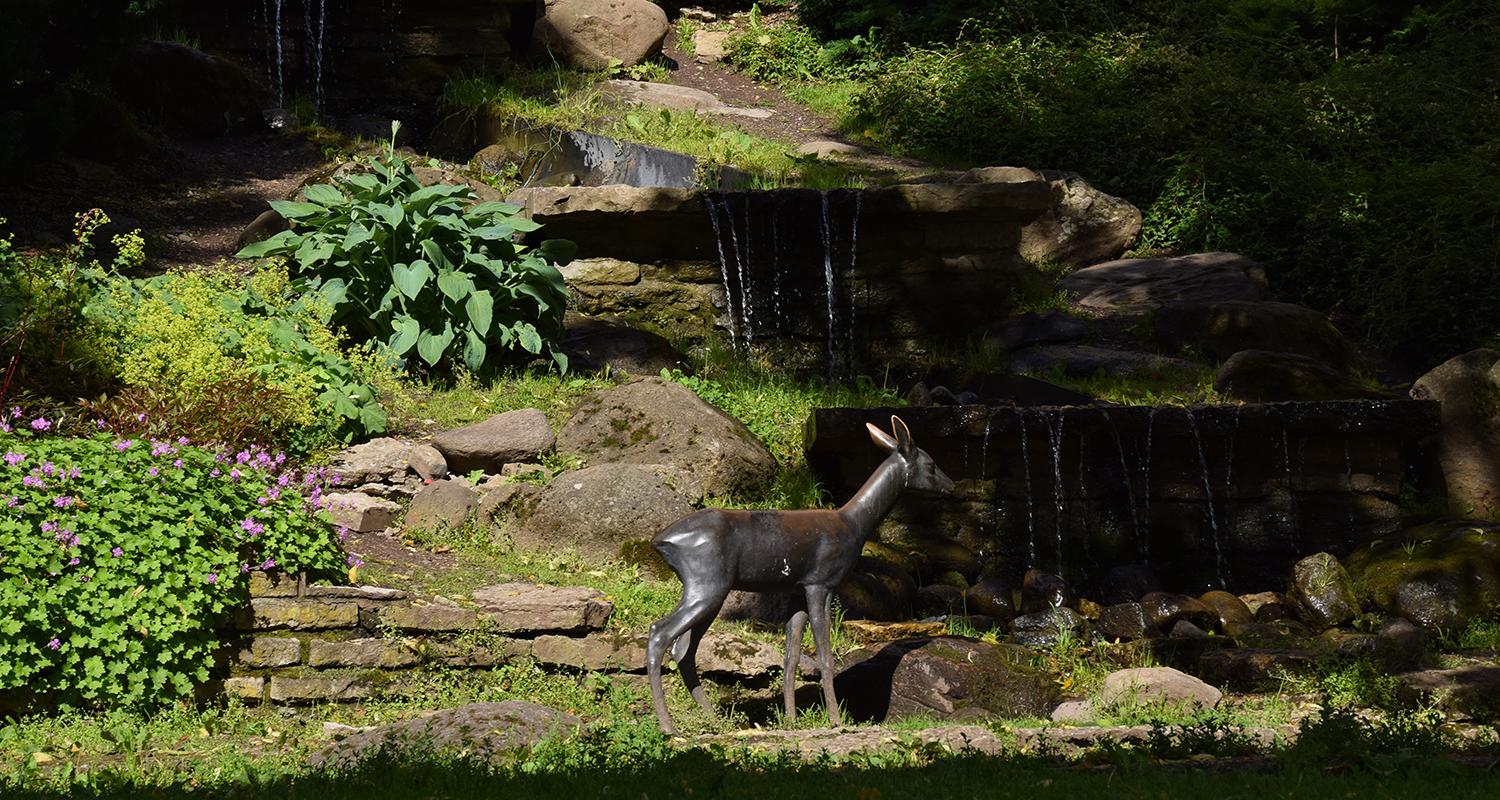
column 1209, row 497
column 832, row 279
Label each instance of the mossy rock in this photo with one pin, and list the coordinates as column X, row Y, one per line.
column 947, row 677
column 1439, row 575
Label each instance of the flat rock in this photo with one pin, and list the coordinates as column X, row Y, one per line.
column 709, row 47
column 823, row 148
column 1254, row 668
column 672, row 96
column 529, row 608
column 1144, row 685
column 360, row 512
column 1263, row 376
column 481, row 731
column 1084, row 225
column 427, row 462
column 1471, row 691
column 603, row 511
column 1082, row 361
column 945, row 677
column 381, row 460
column 448, row 503
column 602, row 344
column 1138, row 285
column 867, row 631
column 520, row 435
column 815, row 743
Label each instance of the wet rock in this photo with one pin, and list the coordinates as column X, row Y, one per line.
column 360, row 512
column 1287, row 633
column 992, row 597
column 528, row 608
column 1128, row 583
column 1082, row 361
column 1266, row 606
column 1439, row 575
column 1138, row 285
column 520, row 435
column 601, row 344
column 1467, row 387
column 1041, row 591
column 1182, row 629
column 943, row 677
column 1123, row 622
column 1469, row 692
column 441, row 504
column 599, row 510
column 1261, row 376
column 875, row 590
column 1254, row 669
column 591, row 34
column 427, row 462
column 939, row 599
column 1227, row 607
column 1165, row 609
column 1322, row 592
column 657, row 421
column 1084, row 225
column 1144, row 685
column 1046, row 629
column 1219, row 330
column 482, row 731
column 1045, row 327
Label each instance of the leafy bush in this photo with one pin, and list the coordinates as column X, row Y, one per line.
column 419, row 269
column 225, row 358
column 121, row 556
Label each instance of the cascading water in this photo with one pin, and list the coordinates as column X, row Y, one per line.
column 276, row 37
column 747, row 313
column 1349, row 481
column 776, row 309
column 1030, row 503
column 734, row 328
column 318, row 55
column 1135, row 520
column 829, row 287
column 984, row 447
column 1146, row 487
column 853, row 261
column 1208, row 497
column 1055, row 435
column 1291, row 499
column 1229, row 471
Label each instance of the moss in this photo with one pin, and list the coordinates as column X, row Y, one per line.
column 1469, row 551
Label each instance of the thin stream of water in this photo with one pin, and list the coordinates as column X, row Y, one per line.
column 1208, row 497
column 1135, row 520
column 1030, row 505
column 1055, row 435
column 276, row 37
column 734, row 329
column 828, row 285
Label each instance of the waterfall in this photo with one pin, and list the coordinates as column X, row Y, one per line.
column 318, row 56
column 747, row 314
column 1349, row 485
column 828, row 286
column 1030, row 508
column 1146, row 487
column 734, row 330
column 1055, row 435
column 984, row 446
column 776, row 309
column 1208, row 497
column 1135, row 520
column 1234, row 431
column 276, row 37
column 853, row 261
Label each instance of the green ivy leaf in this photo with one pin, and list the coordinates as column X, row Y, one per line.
column 455, row 285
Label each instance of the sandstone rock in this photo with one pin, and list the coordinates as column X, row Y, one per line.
column 441, row 504
column 1266, row 606
column 381, row 460
column 1138, row 285
column 735, row 655
column 1082, row 361
column 1219, row 330
column 1165, row 609
column 360, row 512
column 824, row 148
column 1046, row 629
column 943, row 677
column 1470, row 692
column 1261, row 376
column 601, row 509
column 657, row 421
column 1046, row 327
column 369, row 653
column 710, row 46
column 1041, row 591
column 431, row 618
column 1439, row 575
column 1123, row 622
column 520, row 435
column 245, row 687
column 373, row 594
column 266, row 614
column 1227, row 607
column 1157, row 685
column 589, row 34
column 599, row 344
column 593, row 652
column 187, row 91
column 483, row 731
column 1467, row 386
column 1073, row 712
column 662, row 95
column 1322, row 591
column 593, row 203
column 321, row 689
column 265, row 652
column 426, row 461
column 601, row 270
column 1084, row 225
column 528, row 608
column 867, row 631
column 273, row 584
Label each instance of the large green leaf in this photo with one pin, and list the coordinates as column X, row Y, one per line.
column 392, row 214
column 411, row 279
column 435, row 254
column 481, row 309
column 559, row 251
column 431, row 346
column 325, row 195
column 455, row 285
column 529, row 338
column 492, row 207
column 357, row 235
column 276, row 244
column 407, row 331
column 293, row 210
column 334, row 291
column 475, row 351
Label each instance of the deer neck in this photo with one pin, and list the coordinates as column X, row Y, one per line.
column 873, row 501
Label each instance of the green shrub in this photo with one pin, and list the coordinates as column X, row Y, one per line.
column 184, row 342
column 422, row 271
column 120, row 558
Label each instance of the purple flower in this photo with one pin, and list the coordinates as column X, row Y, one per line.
column 124, row 444
column 15, row 412
column 33, row 482
column 74, row 473
column 63, row 502
column 13, row 458
column 73, row 562
column 177, row 463
column 140, row 418
column 252, row 527
column 13, row 502
column 354, row 561
column 48, row 526
column 152, row 472
column 182, row 440
column 213, row 577
column 215, row 473
column 99, row 423
column 116, row 552
column 54, row 644
column 234, row 474
column 49, row 469
column 267, row 564
column 244, row 568
column 40, row 424
column 242, row 456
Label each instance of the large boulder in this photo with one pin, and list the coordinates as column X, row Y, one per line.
column 1468, row 386
column 187, row 91
column 1046, row 327
column 1048, row 629
column 603, row 344
column 657, row 421
column 441, row 504
column 1439, row 576
column 1084, row 225
column 1219, row 330
column 1322, row 591
column 1157, row 685
column 381, row 460
column 945, row 677
column 1138, row 285
column 1263, row 376
column 589, row 34
column 481, row 731
column 511, row 437
column 604, row 511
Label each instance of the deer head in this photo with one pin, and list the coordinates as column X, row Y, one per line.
column 921, row 472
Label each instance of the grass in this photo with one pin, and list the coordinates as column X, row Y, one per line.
column 1166, row 387
column 1357, row 684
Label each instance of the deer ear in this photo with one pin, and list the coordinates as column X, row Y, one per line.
column 903, row 433
column 881, row 437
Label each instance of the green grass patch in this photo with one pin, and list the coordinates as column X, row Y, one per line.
column 1167, row 387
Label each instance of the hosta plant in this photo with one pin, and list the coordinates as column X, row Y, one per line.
column 425, row 269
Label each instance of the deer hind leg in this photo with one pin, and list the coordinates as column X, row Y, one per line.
column 818, row 601
column 693, row 607
column 686, row 653
column 789, row 663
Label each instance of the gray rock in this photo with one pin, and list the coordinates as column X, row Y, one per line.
column 520, row 435
column 1261, row 376
column 528, row 608
column 824, row 148
column 657, row 421
column 1219, row 330
column 944, row 677
column 672, row 96
column 1400, row 645
column 603, row 511
column 1123, row 622
column 360, row 512
column 367, row 653
column 484, row 731
column 1183, row 629
column 504, row 498
column 1469, row 692
column 1322, row 591
column 1084, row 225
column 709, row 47
column 263, row 227
column 1165, row 609
column 381, row 460
column 1467, row 386
column 597, row 344
column 589, row 34
column 319, row 689
column 1073, row 712
column 1255, row 669
column 1082, row 361
column 426, row 461
column 1046, row 327
column 1137, row 285
column 1157, row 685
column 441, row 504
column 1047, row 628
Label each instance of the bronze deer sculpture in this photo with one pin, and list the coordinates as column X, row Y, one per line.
column 715, row 551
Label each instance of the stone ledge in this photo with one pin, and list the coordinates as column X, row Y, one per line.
column 318, row 689
column 528, row 608
column 270, row 652
column 429, row 618
column 373, row 653
column 297, row 615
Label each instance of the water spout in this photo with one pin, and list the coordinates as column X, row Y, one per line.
column 1145, row 540
column 276, row 37
column 1135, row 520
column 318, row 55
column 776, row 310
column 747, row 313
column 829, row 287
column 1055, row 435
column 852, row 274
column 1030, row 506
column 734, row 330
column 1208, row 497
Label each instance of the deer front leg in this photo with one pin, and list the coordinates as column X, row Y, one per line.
column 790, row 661
column 818, row 600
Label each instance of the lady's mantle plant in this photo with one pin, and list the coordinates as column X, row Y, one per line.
column 423, row 268
column 119, row 557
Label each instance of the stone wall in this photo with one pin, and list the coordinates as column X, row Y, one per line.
column 1229, row 495
column 835, row 279
column 300, row 643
